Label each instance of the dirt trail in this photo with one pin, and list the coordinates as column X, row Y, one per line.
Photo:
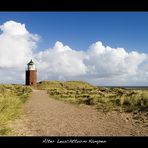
column 45, row 116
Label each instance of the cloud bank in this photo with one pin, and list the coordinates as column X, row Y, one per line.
column 99, row 64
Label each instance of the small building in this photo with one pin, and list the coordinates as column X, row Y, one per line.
column 31, row 74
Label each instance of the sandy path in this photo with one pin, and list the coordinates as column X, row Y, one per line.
column 45, row 116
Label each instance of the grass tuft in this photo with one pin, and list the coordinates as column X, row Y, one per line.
column 11, row 99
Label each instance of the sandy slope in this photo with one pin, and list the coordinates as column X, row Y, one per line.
column 44, row 116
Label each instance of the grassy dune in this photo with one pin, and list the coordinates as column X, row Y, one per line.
column 105, row 99
column 64, row 85
column 11, row 99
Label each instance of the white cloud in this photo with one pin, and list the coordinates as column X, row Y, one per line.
column 16, row 45
column 107, row 61
column 99, row 64
column 13, row 28
column 110, row 66
column 16, row 49
column 60, row 62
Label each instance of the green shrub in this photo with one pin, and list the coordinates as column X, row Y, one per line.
column 85, row 100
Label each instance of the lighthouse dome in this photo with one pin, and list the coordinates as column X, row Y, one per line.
column 31, row 65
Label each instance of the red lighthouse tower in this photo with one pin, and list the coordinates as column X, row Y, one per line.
column 31, row 74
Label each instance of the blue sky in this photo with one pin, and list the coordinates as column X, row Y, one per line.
column 79, row 29
column 103, row 48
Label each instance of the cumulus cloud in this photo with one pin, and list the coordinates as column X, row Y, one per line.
column 99, row 64
column 16, row 49
column 108, row 62
column 60, row 62
column 115, row 66
column 16, row 45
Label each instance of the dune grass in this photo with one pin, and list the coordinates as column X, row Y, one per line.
column 11, row 99
column 105, row 99
column 69, row 85
column 84, row 93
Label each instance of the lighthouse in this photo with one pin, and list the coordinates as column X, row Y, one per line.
column 31, row 74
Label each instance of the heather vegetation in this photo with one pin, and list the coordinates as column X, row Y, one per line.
column 105, row 99
column 11, row 99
